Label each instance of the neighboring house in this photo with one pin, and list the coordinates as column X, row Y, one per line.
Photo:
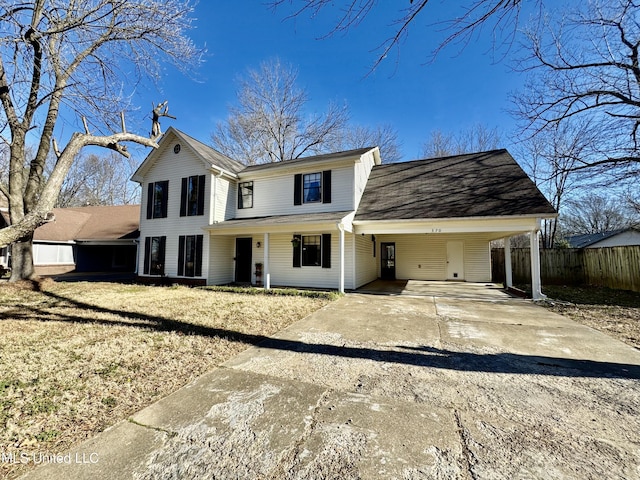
column 4, row 251
column 615, row 238
column 334, row 221
column 88, row 239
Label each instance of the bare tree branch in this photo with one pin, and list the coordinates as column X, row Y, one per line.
column 500, row 14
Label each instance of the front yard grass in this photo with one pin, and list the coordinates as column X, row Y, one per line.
column 614, row 312
column 76, row 358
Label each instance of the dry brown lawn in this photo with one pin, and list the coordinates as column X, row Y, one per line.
column 76, row 358
column 614, row 312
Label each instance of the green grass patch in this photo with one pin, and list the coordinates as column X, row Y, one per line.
column 282, row 292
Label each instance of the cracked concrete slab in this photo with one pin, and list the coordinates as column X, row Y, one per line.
column 119, row 452
column 396, row 387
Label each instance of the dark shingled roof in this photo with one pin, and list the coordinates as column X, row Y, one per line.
column 485, row 184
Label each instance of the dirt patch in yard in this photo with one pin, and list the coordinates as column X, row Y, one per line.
column 614, row 312
column 78, row 357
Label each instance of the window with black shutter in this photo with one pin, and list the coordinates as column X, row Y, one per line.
column 157, row 199
column 190, row 255
column 312, row 250
column 154, row 255
column 312, row 187
column 192, row 196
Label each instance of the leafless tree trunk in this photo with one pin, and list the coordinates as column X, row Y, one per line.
column 55, row 55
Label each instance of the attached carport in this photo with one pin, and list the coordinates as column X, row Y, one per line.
column 450, row 249
column 438, row 216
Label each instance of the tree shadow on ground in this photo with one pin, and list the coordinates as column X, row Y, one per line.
column 424, row 356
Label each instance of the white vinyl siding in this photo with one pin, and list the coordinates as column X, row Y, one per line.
column 362, row 170
column 366, row 263
column 274, row 195
column 283, row 273
column 220, row 260
column 173, row 167
column 424, row 257
column 224, row 201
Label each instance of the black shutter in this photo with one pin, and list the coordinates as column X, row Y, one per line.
column 181, row 243
column 183, row 197
column 198, row 272
column 326, row 250
column 165, row 199
column 201, row 194
column 297, row 189
column 326, row 186
column 163, row 244
column 297, row 251
column 150, row 200
column 147, row 253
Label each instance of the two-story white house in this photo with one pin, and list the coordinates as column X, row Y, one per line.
column 336, row 221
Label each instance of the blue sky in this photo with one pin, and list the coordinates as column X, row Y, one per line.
column 462, row 87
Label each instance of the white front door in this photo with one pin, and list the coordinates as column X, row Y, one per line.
column 455, row 260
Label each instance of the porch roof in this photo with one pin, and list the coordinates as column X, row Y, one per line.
column 283, row 223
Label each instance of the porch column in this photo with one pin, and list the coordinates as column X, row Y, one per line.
column 265, row 266
column 536, row 284
column 341, row 241
column 508, row 272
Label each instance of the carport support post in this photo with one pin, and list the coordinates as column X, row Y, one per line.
column 508, row 271
column 536, row 283
column 341, row 230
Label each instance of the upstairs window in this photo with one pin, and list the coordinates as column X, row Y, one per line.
column 312, row 188
column 245, row 195
column 192, row 196
column 157, row 199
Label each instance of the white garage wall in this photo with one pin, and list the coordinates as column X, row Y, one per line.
column 424, row 257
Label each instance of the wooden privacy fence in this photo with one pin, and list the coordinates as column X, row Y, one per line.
column 613, row 267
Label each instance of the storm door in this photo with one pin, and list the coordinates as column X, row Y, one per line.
column 388, row 261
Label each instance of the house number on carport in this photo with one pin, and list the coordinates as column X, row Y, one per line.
column 436, row 230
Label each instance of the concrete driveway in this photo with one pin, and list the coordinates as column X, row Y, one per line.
column 411, row 387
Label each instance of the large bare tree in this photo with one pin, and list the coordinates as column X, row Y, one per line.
column 584, row 68
column 270, row 122
column 597, row 213
column 73, row 60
